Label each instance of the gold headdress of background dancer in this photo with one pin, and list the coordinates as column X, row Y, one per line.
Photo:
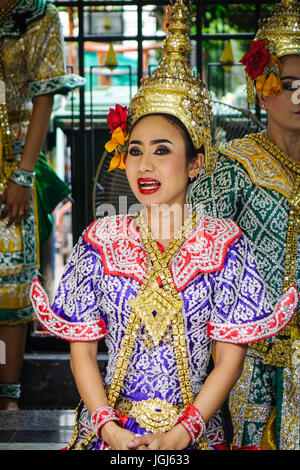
column 173, row 88
column 277, row 36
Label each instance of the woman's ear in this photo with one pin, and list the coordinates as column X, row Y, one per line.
column 261, row 99
column 196, row 165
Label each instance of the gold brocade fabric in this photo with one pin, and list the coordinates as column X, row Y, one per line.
column 19, row 247
column 269, row 438
column 40, row 53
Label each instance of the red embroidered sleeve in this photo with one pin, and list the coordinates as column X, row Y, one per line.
column 70, row 331
column 250, row 332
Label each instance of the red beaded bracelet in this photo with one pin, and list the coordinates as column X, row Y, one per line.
column 192, row 420
column 103, row 415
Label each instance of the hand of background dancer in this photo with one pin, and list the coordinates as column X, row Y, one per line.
column 15, row 200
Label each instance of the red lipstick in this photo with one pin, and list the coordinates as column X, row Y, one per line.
column 148, row 185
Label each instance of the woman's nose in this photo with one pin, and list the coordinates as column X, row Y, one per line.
column 146, row 162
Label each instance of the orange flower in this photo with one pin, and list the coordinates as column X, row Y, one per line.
column 260, row 81
column 118, row 143
column 272, row 86
column 117, row 161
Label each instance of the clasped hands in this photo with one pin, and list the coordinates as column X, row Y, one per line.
column 122, row 439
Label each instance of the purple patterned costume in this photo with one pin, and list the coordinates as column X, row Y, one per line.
column 224, row 300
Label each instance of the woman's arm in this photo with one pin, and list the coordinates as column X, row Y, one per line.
column 37, row 131
column 91, row 389
column 229, row 360
column 16, row 197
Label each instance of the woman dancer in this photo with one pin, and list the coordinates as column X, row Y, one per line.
column 161, row 286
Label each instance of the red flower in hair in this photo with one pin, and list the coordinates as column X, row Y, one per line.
column 117, row 118
column 256, row 59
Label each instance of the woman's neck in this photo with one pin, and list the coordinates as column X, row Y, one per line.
column 287, row 141
column 165, row 221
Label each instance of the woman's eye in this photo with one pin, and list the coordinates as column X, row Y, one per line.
column 162, row 151
column 289, row 86
column 134, row 151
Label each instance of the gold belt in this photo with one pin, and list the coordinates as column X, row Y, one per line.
column 154, row 415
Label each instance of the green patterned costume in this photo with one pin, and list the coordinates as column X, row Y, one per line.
column 32, row 64
column 257, row 185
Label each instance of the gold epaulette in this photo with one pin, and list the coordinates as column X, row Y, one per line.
column 261, row 164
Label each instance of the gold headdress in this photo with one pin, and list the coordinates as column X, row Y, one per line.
column 278, row 35
column 175, row 89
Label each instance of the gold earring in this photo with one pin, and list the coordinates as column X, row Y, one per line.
column 193, row 176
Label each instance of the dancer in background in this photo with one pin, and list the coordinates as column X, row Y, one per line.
column 32, row 70
column 162, row 285
column 256, row 182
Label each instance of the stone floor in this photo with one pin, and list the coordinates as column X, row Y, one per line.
column 36, row 429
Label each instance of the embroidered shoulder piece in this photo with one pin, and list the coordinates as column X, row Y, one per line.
column 70, row 331
column 262, row 167
column 119, row 243
column 267, row 327
column 205, row 249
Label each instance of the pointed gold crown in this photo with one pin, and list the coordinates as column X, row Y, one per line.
column 175, row 89
column 282, row 29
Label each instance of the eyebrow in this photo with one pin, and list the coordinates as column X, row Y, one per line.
column 153, row 142
column 290, row 78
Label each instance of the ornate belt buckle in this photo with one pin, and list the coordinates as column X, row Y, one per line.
column 154, row 415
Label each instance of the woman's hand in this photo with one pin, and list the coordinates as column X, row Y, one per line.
column 16, row 203
column 175, row 439
column 118, row 438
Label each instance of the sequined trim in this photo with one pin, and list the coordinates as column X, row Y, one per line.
column 8, row 390
column 261, row 329
column 61, row 84
column 70, row 331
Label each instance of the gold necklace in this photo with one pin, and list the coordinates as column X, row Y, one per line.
column 167, row 301
column 164, row 300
